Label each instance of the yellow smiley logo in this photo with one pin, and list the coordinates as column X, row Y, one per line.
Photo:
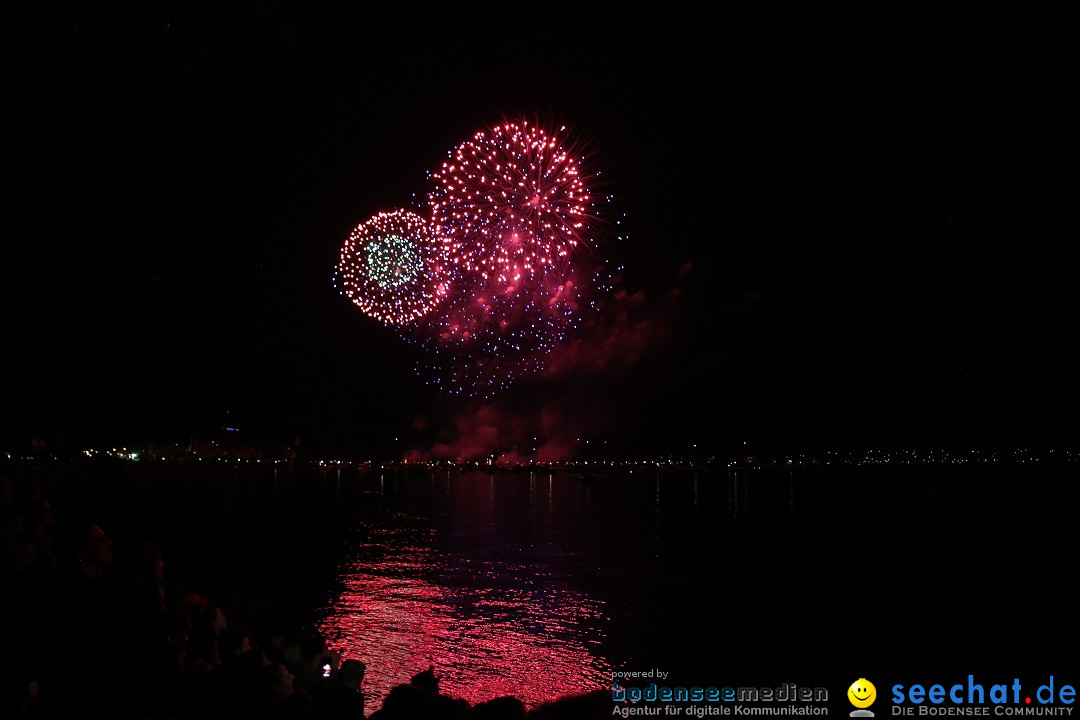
column 862, row 693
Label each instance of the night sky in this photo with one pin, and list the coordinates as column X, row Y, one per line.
column 844, row 227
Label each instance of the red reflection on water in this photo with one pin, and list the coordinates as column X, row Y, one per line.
column 485, row 639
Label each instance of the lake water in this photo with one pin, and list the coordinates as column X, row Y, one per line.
column 543, row 585
column 540, row 585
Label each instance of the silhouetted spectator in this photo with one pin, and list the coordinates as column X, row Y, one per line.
column 242, row 682
column 343, row 698
column 279, row 700
column 214, row 687
column 142, row 598
column 86, row 671
column 404, row 701
column 426, row 680
column 304, row 656
column 445, row 707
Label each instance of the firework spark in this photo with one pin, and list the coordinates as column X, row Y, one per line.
column 481, row 340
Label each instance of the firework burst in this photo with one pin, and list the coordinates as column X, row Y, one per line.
column 512, row 203
column 502, row 271
column 393, row 268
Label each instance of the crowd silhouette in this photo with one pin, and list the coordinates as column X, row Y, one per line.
column 102, row 629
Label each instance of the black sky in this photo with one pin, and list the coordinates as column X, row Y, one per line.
column 871, row 203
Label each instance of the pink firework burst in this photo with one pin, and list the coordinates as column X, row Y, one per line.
column 499, row 275
column 512, row 203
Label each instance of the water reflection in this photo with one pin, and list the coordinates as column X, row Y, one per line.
column 476, row 599
column 538, row 586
